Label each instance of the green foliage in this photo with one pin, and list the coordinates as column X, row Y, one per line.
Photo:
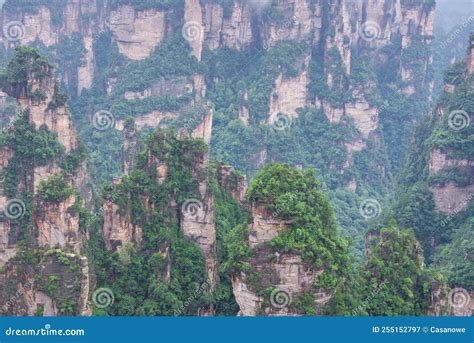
column 327, row 151
column 454, row 74
column 26, row 63
column 456, row 142
column 39, row 310
column 395, row 276
column 58, row 100
column 295, row 196
column 55, row 189
column 172, row 58
column 415, row 206
column 139, row 281
column 393, row 281
column 68, row 55
column 31, row 148
column 228, row 214
column 238, row 250
column 455, row 259
column 305, row 304
column 73, row 159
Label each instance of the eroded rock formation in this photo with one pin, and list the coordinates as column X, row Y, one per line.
column 286, row 273
column 52, row 228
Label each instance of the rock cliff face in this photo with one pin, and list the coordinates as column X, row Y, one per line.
column 288, row 96
column 54, row 235
column 202, row 226
column 192, row 217
column 7, row 242
column 232, row 182
column 40, row 96
column 137, row 32
column 339, row 35
column 290, row 277
column 337, row 32
column 450, row 197
column 470, row 57
column 58, row 225
column 118, row 229
column 130, row 149
column 455, row 191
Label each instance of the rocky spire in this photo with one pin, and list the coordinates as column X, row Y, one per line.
column 470, row 55
column 44, row 196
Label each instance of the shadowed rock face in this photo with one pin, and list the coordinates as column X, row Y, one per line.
column 234, row 184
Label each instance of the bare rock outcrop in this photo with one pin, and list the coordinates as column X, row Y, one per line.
column 470, row 56
column 118, row 229
column 54, row 225
column 137, row 32
column 58, row 224
column 130, row 149
column 233, row 183
column 289, row 95
column 449, row 197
